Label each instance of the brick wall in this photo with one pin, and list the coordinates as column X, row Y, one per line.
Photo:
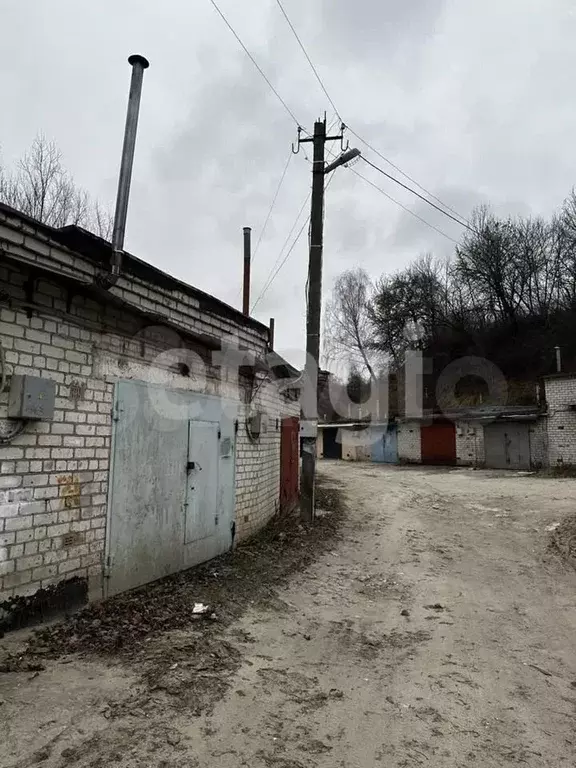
column 561, row 427
column 409, row 446
column 539, row 457
column 258, row 461
column 54, row 475
column 469, row 444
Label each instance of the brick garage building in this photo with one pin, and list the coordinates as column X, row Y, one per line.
column 142, row 380
column 497, row 437
column 560, row 395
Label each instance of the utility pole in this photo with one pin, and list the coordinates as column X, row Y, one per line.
column 309, row 422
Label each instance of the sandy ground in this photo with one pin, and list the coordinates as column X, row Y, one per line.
column 438, row 630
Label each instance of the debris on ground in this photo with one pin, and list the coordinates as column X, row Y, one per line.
column 563, row 538
column 435, row 607
column 21, row 664
column 125, row 623
column 553, row 527
column 26, row 610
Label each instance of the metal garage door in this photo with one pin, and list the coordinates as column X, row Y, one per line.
column 507, row 446
column 332, row 443
column 438, row 443
column 289, row 463
column 385, row 444
column 172, row 486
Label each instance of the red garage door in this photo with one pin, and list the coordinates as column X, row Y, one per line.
column 438, row 442
column 289, row 464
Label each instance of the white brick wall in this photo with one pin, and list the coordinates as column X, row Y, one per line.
column 409, row 445
column 258, row 462
column 469, row 444
column 560, row 395
column 54, row 476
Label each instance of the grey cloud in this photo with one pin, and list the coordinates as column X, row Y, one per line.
column 472, row 99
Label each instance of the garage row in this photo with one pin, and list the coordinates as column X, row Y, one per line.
column 506, row 444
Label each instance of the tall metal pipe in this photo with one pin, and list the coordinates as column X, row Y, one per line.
column 246, row 283
column 271, row 334
column 139, row 64
column 558, row 359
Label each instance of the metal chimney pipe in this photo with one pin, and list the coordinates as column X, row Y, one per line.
column 139, row 64
column 246, row 285
column 271, row 334
column 558, row 359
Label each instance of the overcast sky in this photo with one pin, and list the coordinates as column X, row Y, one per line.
column 473, row 98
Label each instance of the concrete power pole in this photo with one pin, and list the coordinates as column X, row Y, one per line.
column 313, row 311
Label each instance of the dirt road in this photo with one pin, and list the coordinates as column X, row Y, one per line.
column 437, row 631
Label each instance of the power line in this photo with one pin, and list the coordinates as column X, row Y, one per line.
column 285, row 243
column 308, row 59
column 272, row 277
column 284, row 260
column 406, row 176
column 253, row 60
column 404, row 207
column 413, row 191
column 321, row 83
column 273, row 203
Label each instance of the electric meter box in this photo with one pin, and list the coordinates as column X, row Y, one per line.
column 31, row 398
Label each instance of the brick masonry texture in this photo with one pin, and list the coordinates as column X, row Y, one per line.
column 561, row 427
column 469, row 444
column 409, row 446
column 54, row 475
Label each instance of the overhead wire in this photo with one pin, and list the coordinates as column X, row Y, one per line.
column 284, row 260
column 417, row 194
column 284, row 244
column 404, row 207
column 273, row 276
column 308, row 59
column 253, row 60
column 406, row 176
column 352, row 131
column 272, row 204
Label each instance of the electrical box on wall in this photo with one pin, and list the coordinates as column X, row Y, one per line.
column 31, row 398
column 257, row 424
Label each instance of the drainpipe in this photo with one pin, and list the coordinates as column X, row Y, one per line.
column 246, row 285
column 139, row 64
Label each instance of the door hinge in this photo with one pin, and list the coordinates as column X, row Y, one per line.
column 219, row 433
column 235, row 426
column 107, row 568
column 116, row 412
column 216, row 520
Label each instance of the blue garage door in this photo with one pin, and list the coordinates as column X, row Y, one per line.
column 385, row 444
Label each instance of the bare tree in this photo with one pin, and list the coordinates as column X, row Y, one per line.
column 347, row 324
column 42, row 188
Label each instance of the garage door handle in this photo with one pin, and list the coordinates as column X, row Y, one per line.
column 192, row 465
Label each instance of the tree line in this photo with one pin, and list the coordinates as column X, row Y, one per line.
column 508, row 294
column 41, row 187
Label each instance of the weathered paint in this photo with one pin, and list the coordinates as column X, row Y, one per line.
column 289, row 464
column 438, row 443
column 385, row 444
column 507, row 446
column 164, row 514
